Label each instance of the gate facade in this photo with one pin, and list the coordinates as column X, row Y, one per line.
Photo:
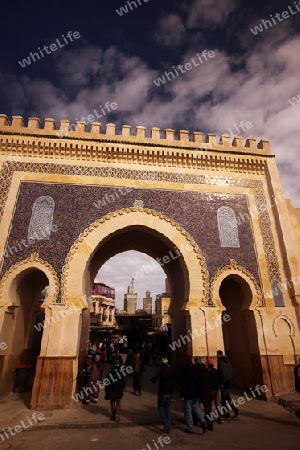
column 210, row 210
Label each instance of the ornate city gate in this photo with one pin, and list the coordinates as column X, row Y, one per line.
column 72, row 199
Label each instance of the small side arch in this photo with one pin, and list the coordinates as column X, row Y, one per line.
column 21, row 313
column 234, row 269
column 284, row 331
column 11, row 278
column 286, row 319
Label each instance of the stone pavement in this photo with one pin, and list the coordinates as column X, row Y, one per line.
column 139, row 413
column 135, row 410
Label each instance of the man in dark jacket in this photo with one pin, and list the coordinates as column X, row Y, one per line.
column 226, row 374
column 115, row 389
column 214, row 382
column 190, row 393
column 206, row 392
column 165, row 378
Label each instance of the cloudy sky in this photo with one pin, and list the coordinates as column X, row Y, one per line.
column 118, row 55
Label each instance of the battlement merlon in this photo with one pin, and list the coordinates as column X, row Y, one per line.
column 78, row 130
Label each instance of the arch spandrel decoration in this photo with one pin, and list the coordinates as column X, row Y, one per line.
column 35, row 262
column 235, row 269
column 227, row 226
column 177, row 230
column 272, row 262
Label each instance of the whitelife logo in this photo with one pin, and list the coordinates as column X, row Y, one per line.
column 203, row 330
column 106, row 382
column 187, row 66
column 267, row 23
column 90, row 118
column 294, row 100
column 124, row 9
column 36, row 417
column 161, row 441
column 238, row 402
column 53, row 47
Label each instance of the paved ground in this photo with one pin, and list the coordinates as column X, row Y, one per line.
column 247, row 432
column 261, row 425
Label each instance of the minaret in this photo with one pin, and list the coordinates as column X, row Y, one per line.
column 130, row 299
column 147, row 302
column 131, row 287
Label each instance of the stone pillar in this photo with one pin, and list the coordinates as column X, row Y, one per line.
column 57, row 365
column 214, row 332
column 197, row 331
column 188, row 336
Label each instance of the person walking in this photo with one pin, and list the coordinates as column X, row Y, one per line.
column 214, row 382
column 95, row 378
column 103, row 354
column 85, row 377
column 129, row 360
column 226, row 374
column 206, row 393
column 114, row 391
column 108, row 349
column 190, row 393
column 117, row 355
column 137, row 374
column 165, row 378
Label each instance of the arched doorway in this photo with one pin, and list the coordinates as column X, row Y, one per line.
column 21, row 330
column 240, row 332
column 156, row 245
column 21, row 313
column 151, row 233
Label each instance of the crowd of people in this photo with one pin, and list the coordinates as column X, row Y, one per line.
column 91, row 376
column 200, row 383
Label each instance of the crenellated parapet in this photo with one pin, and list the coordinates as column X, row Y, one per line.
column 183, row 140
